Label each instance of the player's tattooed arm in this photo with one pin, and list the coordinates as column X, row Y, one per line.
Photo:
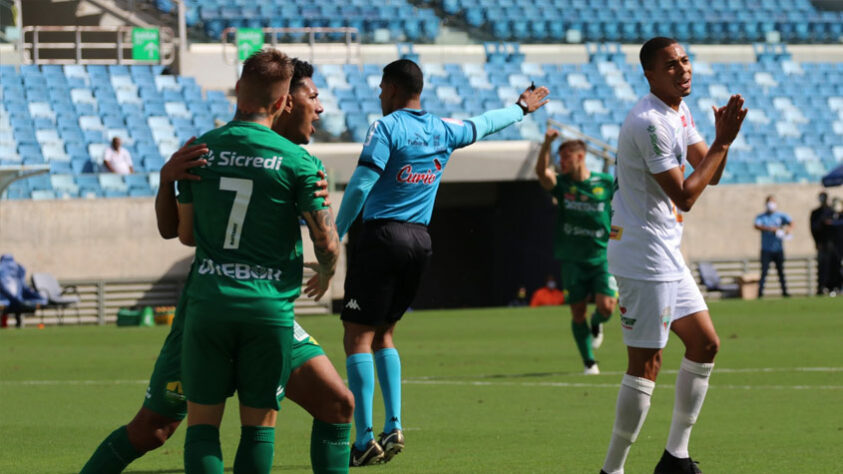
column 546, row 175
column 326, row 245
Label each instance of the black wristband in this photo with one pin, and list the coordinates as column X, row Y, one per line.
column 523, row 107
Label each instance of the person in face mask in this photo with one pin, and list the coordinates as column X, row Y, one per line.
column 775, row 228
column 548, row 295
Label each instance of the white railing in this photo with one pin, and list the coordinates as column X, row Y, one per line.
column 32, row 45
column 351, row 41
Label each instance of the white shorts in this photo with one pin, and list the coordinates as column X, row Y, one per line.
column 649, row 307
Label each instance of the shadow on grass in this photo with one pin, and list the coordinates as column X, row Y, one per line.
column 498, row 376
column 228, row 469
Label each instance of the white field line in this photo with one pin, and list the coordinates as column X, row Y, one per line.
column 467, row 381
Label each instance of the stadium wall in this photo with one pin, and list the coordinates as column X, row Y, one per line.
column 118, row 238
column 212, row 63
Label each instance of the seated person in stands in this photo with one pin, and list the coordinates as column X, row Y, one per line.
column 548, row 295
column 117, row 159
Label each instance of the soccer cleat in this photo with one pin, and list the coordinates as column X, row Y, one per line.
column 597, row 336
column 591, row 368
column 392, row 443
column 373, row 454
column 670, row 464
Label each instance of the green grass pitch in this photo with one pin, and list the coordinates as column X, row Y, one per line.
column 485, row 391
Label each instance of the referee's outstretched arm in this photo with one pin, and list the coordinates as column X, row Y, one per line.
column 496, row 120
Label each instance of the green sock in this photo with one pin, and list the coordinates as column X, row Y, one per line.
column 598, row 318
column 254, row 454
column 330, row 447
column 112, row 455
column 202, row 451
column 582, row 335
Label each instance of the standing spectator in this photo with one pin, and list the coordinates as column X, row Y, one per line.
column 548, row 295
column 775, row 227
column 835, row 280
column 117, row 159
column 823, row 234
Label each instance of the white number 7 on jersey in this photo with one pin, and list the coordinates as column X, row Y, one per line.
column 243, row 188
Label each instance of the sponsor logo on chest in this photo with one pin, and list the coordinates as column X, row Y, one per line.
column 408, row 175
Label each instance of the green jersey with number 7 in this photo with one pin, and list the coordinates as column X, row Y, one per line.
column 246, row 211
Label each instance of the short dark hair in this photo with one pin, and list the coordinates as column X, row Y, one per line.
column 268, row 65
column 651, row 47
column 406, row 75
column 573, row 145
column 301, row 70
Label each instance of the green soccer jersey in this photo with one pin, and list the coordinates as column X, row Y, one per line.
column 246, row 217
column 582, row 227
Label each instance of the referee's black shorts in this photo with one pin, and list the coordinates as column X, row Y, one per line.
column 384, row 271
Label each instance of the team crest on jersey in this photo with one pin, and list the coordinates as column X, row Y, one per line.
column 173, row 392
column 598, row 191
column 665, row 315
column 616, row 233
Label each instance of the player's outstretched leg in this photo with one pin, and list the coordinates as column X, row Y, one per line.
column 317, row 387
column 701, row 345
column 147, row 431
column 112, row 455
column 582, row 336
column 605, row 300
column 388, row 365
column 361, row 380
column 632, row 405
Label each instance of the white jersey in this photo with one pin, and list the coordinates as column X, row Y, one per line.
column 646, row 225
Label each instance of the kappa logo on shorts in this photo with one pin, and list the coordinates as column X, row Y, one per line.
column 352, row 304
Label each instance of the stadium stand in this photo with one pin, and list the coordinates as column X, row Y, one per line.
column 631, row 21
column 64, row 116
column 395, row 20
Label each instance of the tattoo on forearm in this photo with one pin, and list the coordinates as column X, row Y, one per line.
column 249, row 116
column 323, row 232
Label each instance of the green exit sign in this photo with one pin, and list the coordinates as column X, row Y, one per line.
column 249, row 41
column 145, row 44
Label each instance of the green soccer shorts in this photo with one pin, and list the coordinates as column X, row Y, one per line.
column 235, row 345
column 165, row 395
column 582, row 279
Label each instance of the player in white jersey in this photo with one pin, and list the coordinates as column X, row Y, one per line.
column 657, row 291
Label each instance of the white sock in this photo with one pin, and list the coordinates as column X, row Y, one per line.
column 691, row 385
column 631, row 410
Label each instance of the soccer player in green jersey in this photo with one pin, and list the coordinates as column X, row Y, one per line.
column 583, row 200
column 242, row 215
column 314, row 383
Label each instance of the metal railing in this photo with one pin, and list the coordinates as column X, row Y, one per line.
column 800, row 274
column 100, row 300
column 32, row 46
column 351, row 41
column 594, row 146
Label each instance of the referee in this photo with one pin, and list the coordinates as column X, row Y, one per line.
column 397, row 178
